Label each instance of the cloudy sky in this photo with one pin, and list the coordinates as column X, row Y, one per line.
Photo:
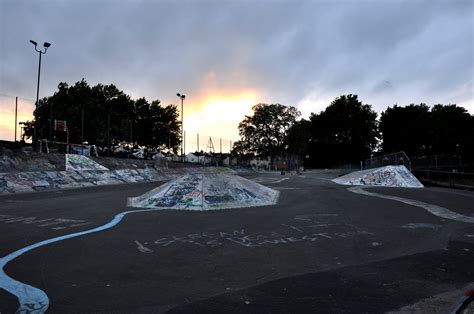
column 228, row 55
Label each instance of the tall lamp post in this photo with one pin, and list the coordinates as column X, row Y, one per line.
column 46, row 45
column 182, row 125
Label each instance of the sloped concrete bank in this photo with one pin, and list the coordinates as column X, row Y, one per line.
column 29, row 161
column 394, row 176
column 82, row 171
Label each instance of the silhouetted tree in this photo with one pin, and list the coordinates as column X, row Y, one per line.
column 346, row 131
column 132, row 123
column 265, row 131
column 298, row 138
column 406, row 128
column 451, row 130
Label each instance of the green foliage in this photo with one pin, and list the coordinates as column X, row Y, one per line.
column 132, row 123
column 265, row 132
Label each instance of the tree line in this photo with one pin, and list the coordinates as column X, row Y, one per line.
column 348, row 131
column 107, row 117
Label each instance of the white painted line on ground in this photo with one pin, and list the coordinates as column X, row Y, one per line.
column 433, row 209
column 281, row 180
column 34, row 300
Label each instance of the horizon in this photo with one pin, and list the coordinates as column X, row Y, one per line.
column 232, row 60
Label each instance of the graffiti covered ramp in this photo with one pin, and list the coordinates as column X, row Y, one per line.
column 79, row 162
column 206, row 192
column 396, row 176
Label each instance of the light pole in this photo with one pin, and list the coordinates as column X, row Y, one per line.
column 182, row 125
column 46, row 45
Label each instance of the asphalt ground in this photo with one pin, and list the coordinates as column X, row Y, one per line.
column 321, row 249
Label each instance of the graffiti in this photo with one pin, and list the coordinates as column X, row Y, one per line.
column 250, row 240
column 397, row 176
column 79, row 162
column 142, row 248
column 16, row 182
column 301, row 230
column 206, row 191
column 53, row 223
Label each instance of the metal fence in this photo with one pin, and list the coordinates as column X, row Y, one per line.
column 443, row 162
column 399, row 158
column 464, row 180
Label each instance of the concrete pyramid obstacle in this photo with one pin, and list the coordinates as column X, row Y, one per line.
column 206, row 192
column 395, row 176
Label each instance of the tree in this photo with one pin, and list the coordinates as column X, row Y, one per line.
column 298, row 138
column 132, row 123
column 451, row 130
column 406, row 129
column 346, row 131
column 157, row 127
column 265, row 132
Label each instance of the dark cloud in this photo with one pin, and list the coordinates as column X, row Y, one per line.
column 292, row 52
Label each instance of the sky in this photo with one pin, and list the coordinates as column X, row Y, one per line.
column 226, row 56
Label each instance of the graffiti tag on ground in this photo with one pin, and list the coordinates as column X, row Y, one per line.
column 303, row 228
column 51, row 223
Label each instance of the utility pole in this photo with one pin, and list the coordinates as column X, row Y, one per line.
column 183, row 143
column 16, row 114
column 210, row 146
column 50, row 121
column 131, row 132
column 108, row 134
column 198, row 142
column 220, row 144
column 82, row 126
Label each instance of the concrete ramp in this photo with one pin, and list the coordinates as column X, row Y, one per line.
column 395, row 176
column 79, row 162
column 206, row 192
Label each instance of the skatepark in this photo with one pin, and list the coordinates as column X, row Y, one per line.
column 205, row 239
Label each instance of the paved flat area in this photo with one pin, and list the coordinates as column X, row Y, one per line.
column 322, row 248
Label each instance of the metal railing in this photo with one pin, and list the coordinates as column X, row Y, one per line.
column 452, row 179
column 399, row 158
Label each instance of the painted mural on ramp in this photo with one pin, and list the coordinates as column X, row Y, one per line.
column 79, row 162
column 206, row 192
column 395, row 176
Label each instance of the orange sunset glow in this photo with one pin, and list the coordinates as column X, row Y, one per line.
column 216, row 115
column 7, row 116
column 212, row 113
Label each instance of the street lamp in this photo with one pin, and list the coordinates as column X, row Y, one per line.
column 182, row 126
column 46, row 45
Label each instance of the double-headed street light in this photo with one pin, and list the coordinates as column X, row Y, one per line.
column 182, row 127
column 46, row 45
